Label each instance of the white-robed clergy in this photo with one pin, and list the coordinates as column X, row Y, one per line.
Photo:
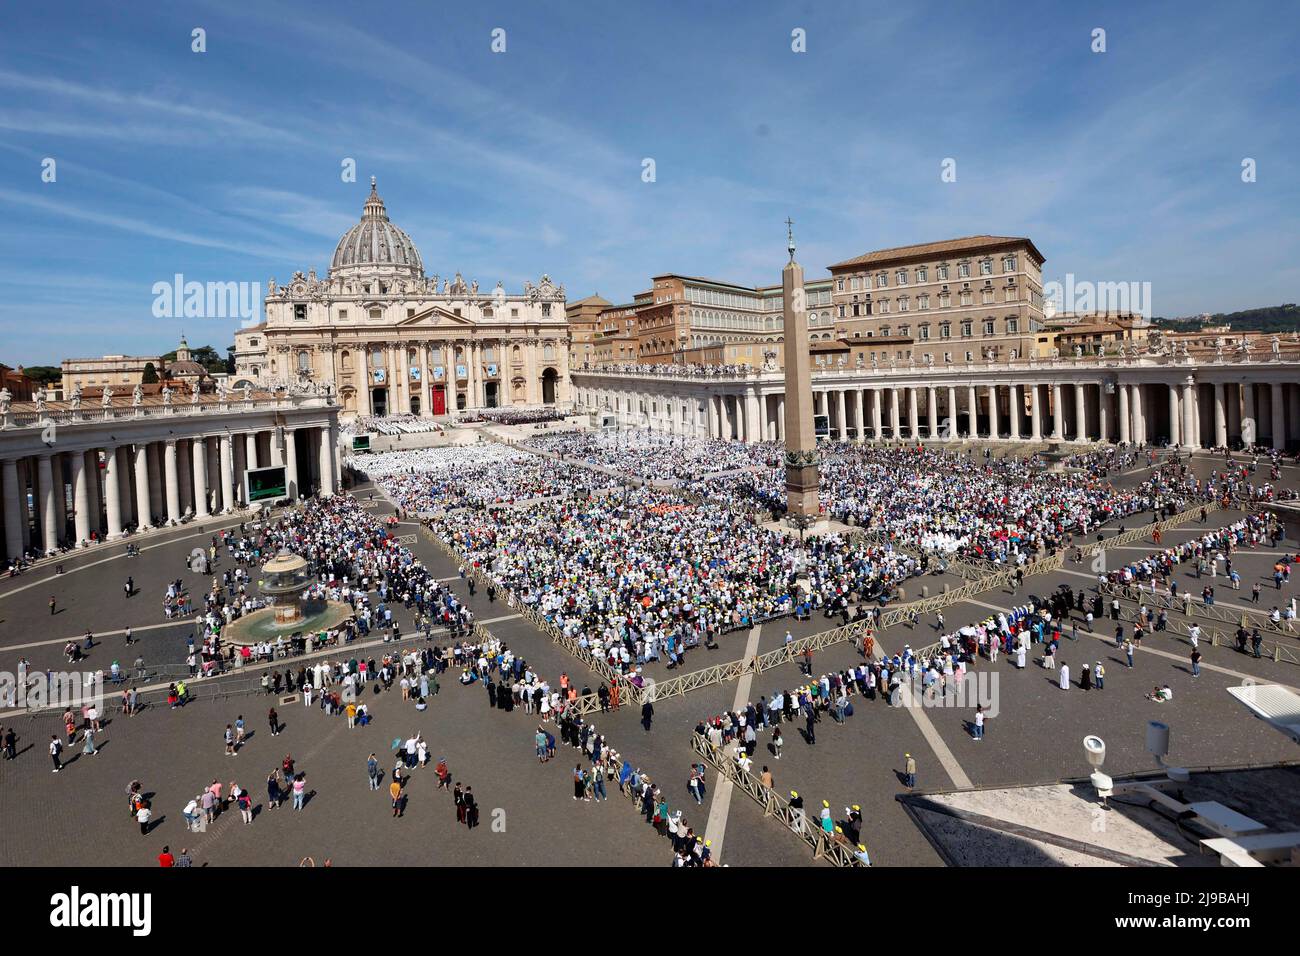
column 1065, row 677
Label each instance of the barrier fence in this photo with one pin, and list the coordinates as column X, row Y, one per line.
column 834, row 849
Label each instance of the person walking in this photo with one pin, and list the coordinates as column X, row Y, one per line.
column 909, row 771
column 230, row 740
column 273, row 719
column 977, row 726
column 777, row 741
column 56, row 748
column 1128, row 653
column 245, row 802
column 129, row 587
column 1099, row 676
column 647, row 715
column 372, row 771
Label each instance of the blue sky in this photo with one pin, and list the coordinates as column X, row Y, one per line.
column 225, row 165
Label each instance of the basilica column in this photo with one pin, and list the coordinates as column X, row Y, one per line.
column 199, row 474
column 932, row 406
column 13, row 515
column 993, row 412
column 113, row 491
column 80, row 497
column 913, row 415
column 1015, row 407
column 973, row 411
column 426, row 399
column 1125, row 420
column 1035, row 414
column 143, row 514
column 172, row 482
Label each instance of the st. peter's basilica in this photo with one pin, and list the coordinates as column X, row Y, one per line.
column 391, row 340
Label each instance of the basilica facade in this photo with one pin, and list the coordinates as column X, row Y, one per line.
column 392, row 341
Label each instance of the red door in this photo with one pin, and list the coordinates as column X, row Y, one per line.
column 440, row 400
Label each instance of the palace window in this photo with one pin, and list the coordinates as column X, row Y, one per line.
column 923, row 302
column 986, row 267
column 963, row 270
column 901, row 277
column 945, row 300
column 1013, row 325
column 922, row 274
column 882, row 281
column 988, row 327
column 941, row 272
column 966, row 329
column 1008, row 263
column 945, row 330
column 965, row 298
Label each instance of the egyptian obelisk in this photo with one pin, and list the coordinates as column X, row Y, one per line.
column 800, row 439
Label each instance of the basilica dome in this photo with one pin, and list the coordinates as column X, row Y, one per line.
column 376, row 245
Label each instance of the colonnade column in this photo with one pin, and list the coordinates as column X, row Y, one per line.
column 1139, row 423
column 113, row 491
column 1058, row 416
column 952, row 413
column 932, row 406
column 839, row 411
column 1014, row 407
column 227, row 452
column 171, row 481
column 326, row 463
column 1248, row 412
column 1190, row 438
column 972, row 411
column 993, row 411
column 143, row 515
column 1103, row 412
column 1080, row 413
column 1125, row 425
column 780, row 417
column 913, row 413
column 291, row 464
column 1278, row 414
column 877, row 428
column 80, row 497
column 13, row 515
column 858, row 421
column 1220, row 417
column 45, row 495
column 894, row 425
column 1035, row 414
column 1175, row 433
column 199, row 470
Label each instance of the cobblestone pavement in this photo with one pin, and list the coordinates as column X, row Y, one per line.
column 1035, row 737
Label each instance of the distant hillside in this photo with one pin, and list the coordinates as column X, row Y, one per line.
column 1273, row 318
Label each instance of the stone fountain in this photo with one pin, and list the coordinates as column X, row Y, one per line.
column 285, row 583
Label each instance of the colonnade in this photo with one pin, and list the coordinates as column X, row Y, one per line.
column 55, row 497
column 1190, row 411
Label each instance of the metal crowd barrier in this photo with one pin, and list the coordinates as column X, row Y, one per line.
column 835, row 850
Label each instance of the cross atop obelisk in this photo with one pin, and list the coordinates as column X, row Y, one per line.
column 803, row 504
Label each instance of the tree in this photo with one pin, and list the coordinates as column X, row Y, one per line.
column 150, row 376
